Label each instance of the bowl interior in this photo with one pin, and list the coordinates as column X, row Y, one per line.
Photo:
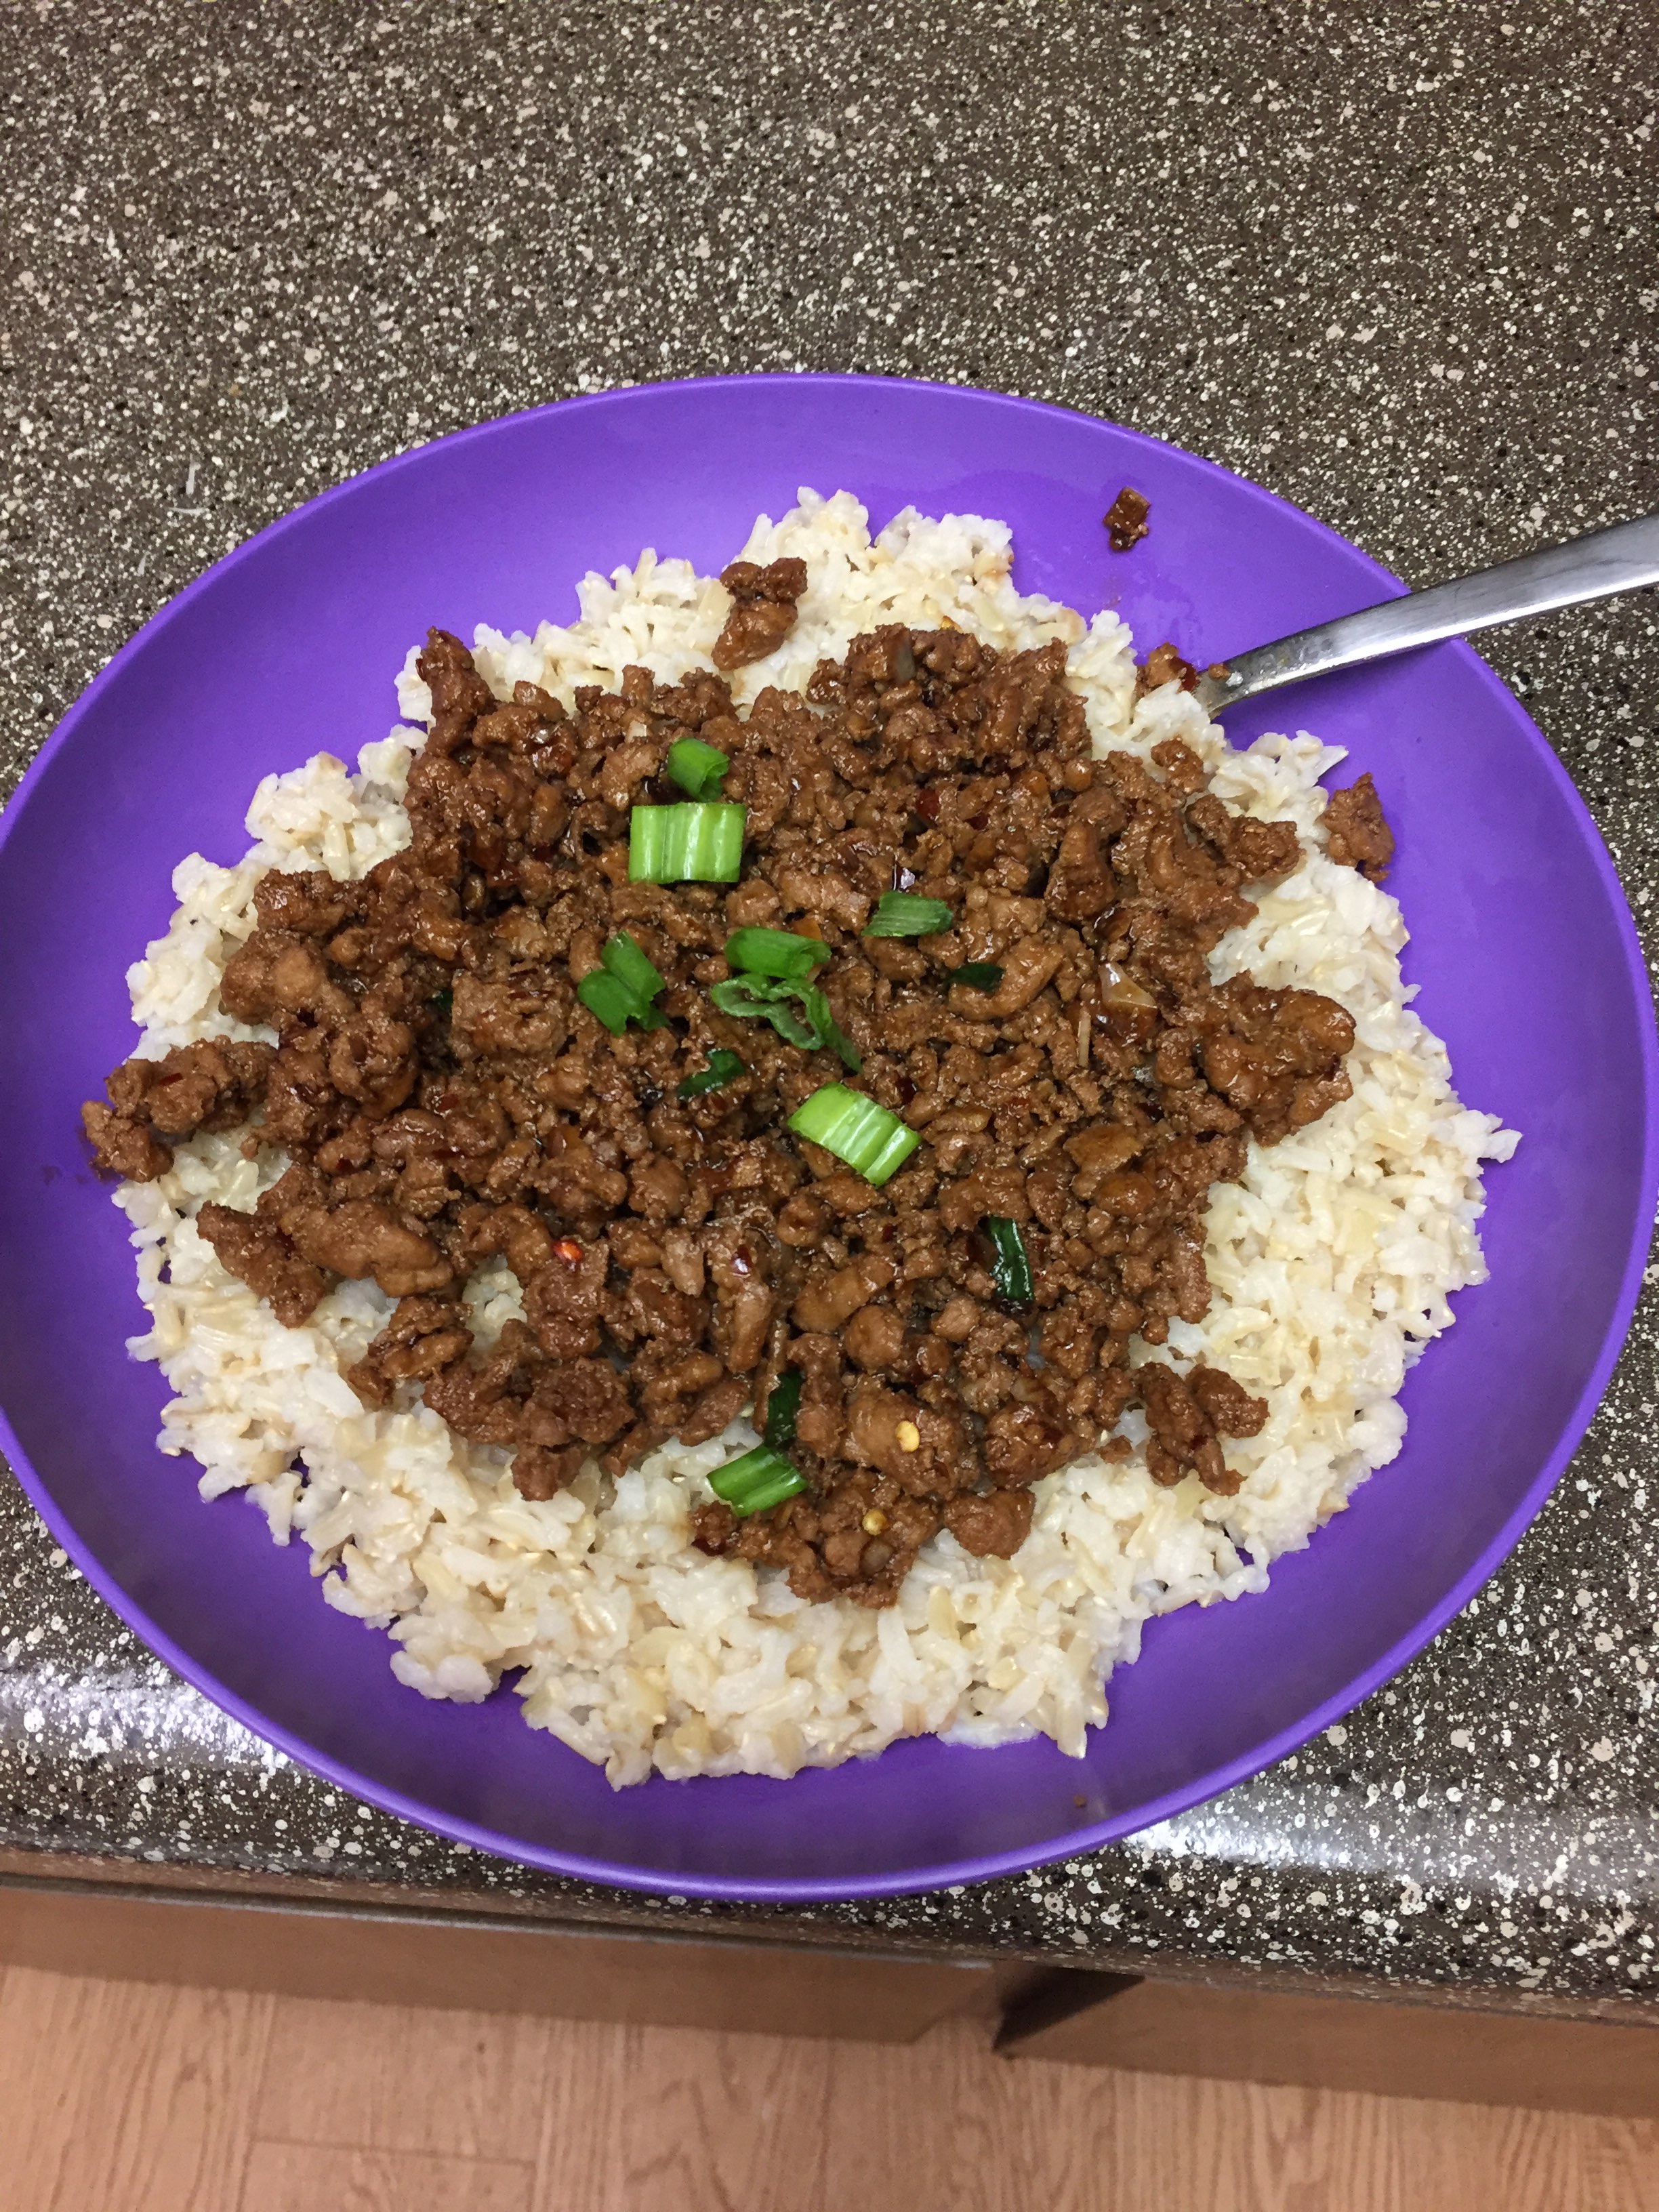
column 1522, row 947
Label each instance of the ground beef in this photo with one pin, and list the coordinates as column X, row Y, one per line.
column 1126, row 520
column 1187, row 1416
column 253, row 1248
column 763, row 611
column 1163, row 664
column 1357, row 832
column 443, row 1100
column 152, row 1104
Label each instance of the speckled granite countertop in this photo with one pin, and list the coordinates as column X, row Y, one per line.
column 1402, row 269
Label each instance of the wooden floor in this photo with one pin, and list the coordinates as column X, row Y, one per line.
column 116, row 2097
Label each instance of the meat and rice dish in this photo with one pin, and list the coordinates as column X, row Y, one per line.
column 1001, row 938
column 771, row 1112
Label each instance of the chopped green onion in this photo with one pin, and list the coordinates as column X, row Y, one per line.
column 696, row 767
column 444, row 1001
column 781, row 1406
column 1012, row 1270
column 874, row 1143
column 648, row 848
column 754, row 999
column 901, row 914
column 608, row 1001
column 977, row 974
column 620, row 990
column 723, row 1067
column 830, row 1031
column 700, row 844
column 762, row 1478
column 628, row 964
column 775, row 953
column 800, row 1014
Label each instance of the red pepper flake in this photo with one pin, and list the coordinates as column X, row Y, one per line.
column 1126, row 520
column 570, row 1251
column 927, row 805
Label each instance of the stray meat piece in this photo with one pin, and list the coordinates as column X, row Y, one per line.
column 1357, row 832
column 1126, row 520
column 1187, row 1415
column 994, row 1526
column 1163, row 664
column 763, row 612
column 214, row 1083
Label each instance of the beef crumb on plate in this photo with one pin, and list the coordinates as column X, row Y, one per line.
column 965, row 954
column 1357, row 833
column 1126, row 520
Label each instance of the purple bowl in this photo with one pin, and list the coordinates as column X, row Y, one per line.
column 1523, row 948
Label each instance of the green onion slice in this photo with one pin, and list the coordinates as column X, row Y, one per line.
column 620, row 990
column 623, row 958
column 1012, row 1268
column 901, row 914
column 755, row 999
column 762, row 1478
column 696, row 767
column 823, row 1021
column 800, row 1014
column 722, row 1067
column 700, row 844
column 775, row 953
column 610, row 1001
column 781, row 1408
column 859, row 1130
column 977, row 974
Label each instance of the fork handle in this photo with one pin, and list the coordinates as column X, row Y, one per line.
column 1620, row 559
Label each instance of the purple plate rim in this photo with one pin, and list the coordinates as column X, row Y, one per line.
column 821, row 1889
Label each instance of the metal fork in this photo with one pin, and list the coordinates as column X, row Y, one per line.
column 1593, row 566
